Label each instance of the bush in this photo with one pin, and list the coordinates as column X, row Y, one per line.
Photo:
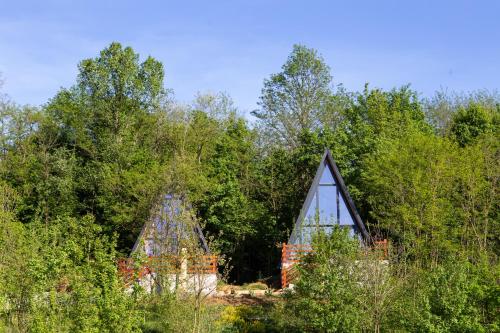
column 455, row 296
column 343, row 289
column 327, row 296
column 171, row 313
column 252, row 319
column 63, row 280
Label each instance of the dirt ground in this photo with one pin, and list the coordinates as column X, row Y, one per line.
column 244, row 299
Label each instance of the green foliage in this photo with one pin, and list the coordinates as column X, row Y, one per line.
column 80, row 175
column 228, row 204
column 432, row 197
column 293, row 100
column 409, row 181
column 97, row 148
column 225, row 205
column 169, row 313
column 341, row 288
column 62, row 278
column 455, row 296
column 474, row 120
column 443, row 107
column 117, row 78
column 327, row 298
column 250, row 319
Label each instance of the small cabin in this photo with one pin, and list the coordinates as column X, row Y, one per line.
column 327, row 204
column 171, row 251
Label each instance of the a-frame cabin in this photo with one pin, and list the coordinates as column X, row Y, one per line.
column 170, row 228
column 327, row 204
column 172, row 248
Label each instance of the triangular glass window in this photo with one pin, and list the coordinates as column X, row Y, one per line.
column 327, row 204
column 327, row 177
column 170, row 227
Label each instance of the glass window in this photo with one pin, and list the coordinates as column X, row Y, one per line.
column 327, row 177
column 310, row 216
column 327, row 204
column 327, row 208
column 306, row 235
column 345, row 216
column 294, row 238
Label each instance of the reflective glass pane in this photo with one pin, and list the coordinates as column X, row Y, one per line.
column 302, row 235
column 310, row 216
column 326, row 208
column 351, row 230
column 294, row 237
column 327, row 204
column 355, row 232
column 306, row 235
column 327, row 177
column 345, row 216
column 149, row 247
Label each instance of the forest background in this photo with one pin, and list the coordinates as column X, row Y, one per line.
column 80, row 175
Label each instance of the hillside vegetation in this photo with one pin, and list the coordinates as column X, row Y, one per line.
column 80, row 174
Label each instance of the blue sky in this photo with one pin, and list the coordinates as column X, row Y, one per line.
column 232, row 46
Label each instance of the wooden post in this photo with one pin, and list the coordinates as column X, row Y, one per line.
column 184, row 269
column 283, row 268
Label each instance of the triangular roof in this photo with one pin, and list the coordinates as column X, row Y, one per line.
column 169, row 224
column 327, row 168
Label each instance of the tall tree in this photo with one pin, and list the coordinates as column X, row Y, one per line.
column 97, row 148
column 293, row 99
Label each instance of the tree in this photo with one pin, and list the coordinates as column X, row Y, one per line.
column 227, row 205
column 293, row 100
column 476, row 197
column 474, row 120
column 326, row 297
column 444, row 106
column 432, row 197
column 348, row 278
column 454, row 296
column 409, row 181
column 59, row 277
column 97, row 147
